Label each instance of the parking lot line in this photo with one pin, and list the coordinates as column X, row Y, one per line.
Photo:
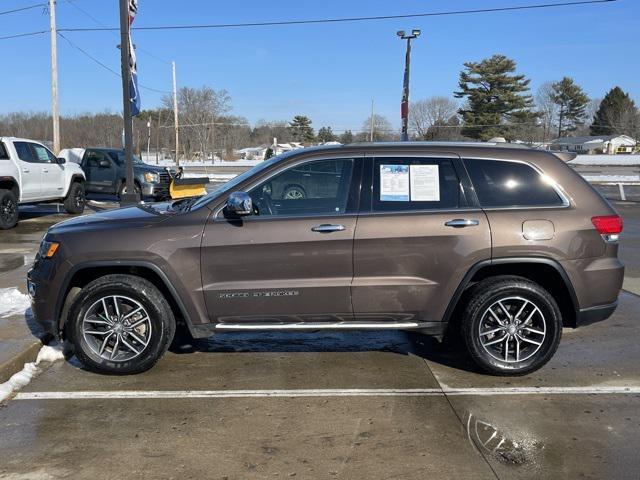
column 416, row 392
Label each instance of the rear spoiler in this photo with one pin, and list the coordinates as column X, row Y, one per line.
column 565, row 156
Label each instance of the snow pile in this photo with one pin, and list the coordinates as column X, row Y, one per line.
column 619, row 159
column 204, row 163
column 48, row 353
column 627, row 179
column 12, row 301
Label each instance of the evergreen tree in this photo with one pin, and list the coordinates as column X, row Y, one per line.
column 572, row 103
column 301, row 130
column 346, row 137
column 495, row 97
column 617, row 115
column 325, row 134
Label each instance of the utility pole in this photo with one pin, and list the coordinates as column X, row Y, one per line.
column 372, row 117
column 148, row 138
column 129, row 196
column 158, row 137
column 55, row 108
column 404, row 105
column 175, row 114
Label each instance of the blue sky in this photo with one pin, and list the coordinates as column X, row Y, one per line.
column 329, row 72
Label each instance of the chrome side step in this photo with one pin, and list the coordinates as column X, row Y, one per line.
column 317, row 326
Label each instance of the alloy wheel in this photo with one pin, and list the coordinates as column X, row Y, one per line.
column 8, row 209
column 512, row 329
column 117, row 328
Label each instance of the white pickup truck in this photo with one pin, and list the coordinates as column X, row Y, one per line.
column 30, row 173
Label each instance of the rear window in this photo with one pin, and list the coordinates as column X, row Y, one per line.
column 510, row 184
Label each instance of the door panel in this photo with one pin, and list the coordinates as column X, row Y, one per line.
column 277, row 270
column 407, row 261
column 52, row 173
column 30, row 172
column 99, row 179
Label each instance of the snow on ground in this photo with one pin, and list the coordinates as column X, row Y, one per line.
column 12, row 301
column 48, row 353
column 612, row 178
column 205, row 163
column 619, row 159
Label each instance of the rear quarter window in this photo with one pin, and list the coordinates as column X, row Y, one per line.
column 503, row 183
column 3, row 152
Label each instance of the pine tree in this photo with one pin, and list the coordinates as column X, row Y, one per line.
column 617, row 115
column 495, row 97
column 325, row 134
column 301, row 130
column 572, row 103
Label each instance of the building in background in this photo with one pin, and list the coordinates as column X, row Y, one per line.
column 607, row 144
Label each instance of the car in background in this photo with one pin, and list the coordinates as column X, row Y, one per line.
column 105, row 172
column 31, row 173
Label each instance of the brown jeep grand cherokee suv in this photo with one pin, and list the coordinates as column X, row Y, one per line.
column 504, row 245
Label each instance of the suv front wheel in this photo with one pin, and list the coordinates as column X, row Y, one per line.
column 120, row 324
column 511, row 325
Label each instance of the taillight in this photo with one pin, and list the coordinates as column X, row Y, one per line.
column 607, row 224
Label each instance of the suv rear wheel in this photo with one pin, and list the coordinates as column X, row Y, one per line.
column 120, row 324
column 511, row 325
column 8, row 209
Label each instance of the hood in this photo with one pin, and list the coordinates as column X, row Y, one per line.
column 138, row 216
column 149, row 168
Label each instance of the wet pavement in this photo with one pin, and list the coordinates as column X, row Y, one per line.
column 338, row 405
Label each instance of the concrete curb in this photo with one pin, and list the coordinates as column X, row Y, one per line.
column 17, row 361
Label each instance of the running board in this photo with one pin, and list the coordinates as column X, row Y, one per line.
column 316, row 326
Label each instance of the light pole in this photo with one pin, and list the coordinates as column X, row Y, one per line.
column 404, row 105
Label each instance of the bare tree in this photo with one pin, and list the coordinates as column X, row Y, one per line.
column 199, row 110
column 429, row 112
column 548, row 110
column 382, row 130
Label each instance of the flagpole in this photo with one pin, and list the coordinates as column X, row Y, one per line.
column 129, row 196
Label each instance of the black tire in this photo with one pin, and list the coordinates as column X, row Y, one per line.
column 76, row 199
column 123, row 187
column 294, row 192
column 8, row 209
column 512, row 291
column 161, row 320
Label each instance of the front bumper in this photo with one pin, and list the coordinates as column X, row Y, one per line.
column 42, row 308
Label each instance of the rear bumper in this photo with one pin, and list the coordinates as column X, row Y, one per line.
column 590, row 315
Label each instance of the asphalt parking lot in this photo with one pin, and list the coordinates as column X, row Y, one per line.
column 335, row 405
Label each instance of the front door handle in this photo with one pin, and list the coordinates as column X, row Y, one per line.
column 327, row 228
column 462, row 222
column 25, row 170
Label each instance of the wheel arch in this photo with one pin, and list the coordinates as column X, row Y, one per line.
column 10, row 183
column 85, row 273
column 546, row 272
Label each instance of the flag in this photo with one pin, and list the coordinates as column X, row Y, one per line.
column 134, row 92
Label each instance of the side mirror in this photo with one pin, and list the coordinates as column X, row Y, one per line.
column 104, row 164
column 239, row 204
column 60, row 161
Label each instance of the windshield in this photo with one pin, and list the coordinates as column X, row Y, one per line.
column 118, row 157
column 233, row 183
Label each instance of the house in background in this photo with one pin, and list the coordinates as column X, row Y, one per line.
column 607, row 144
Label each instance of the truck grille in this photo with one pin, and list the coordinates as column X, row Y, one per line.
column 163, row 187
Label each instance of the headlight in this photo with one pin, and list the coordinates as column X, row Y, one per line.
column 151, row 177
column 48, row 249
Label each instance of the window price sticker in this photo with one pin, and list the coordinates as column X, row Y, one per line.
column 425, row 183
column 394, row 183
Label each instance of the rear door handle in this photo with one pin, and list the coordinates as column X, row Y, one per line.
column 462, row 222
column 327, row 228
column 25, row 170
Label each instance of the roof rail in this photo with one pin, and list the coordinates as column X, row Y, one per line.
column 441, row 144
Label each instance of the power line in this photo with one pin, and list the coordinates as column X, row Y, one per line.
column 22, row 9
column 347, row 19
column 106, row 67
column 29, row 34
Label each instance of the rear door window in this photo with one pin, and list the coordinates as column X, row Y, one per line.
column 501, row 183
column 405, row 184
column 25, row 152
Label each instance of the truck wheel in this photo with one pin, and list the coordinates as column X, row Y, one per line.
column 8, row 209
column 75, row 201
column 511, row 325
column 120, row 324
